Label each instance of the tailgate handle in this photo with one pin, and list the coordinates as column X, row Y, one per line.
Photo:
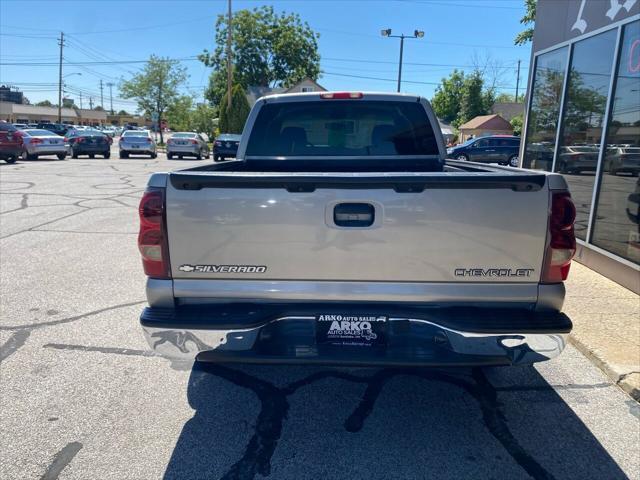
column 354, row 215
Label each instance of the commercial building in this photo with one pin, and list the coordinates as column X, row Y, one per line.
column 16, row 113
column 12, row 95
column 583, row 120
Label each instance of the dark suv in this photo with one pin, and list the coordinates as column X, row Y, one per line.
column 502, row 149
column 57, row 128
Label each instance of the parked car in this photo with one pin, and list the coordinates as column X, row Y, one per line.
column 539, row 156
column 137, row 142
column 38, row 142
column 577, row 158
column 10, row 143
column 225, row 146
column 88, row 142
column 624, row 160
column 57, row 128
column 187, row 144
column 321, row 246
column 20, row 126
column 502, row 149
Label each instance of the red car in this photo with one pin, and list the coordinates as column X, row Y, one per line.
column 10, row 143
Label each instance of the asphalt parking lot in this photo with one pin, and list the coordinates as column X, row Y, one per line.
column 82, row 397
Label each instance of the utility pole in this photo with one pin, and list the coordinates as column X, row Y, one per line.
column 110, row 85
column 91, row 103
column 80, row 100
column 101, row 95
column 229, row 62
column 61, row 43
column 518, row 81
column 416, row 34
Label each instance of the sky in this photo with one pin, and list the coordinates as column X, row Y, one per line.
column 354, row 56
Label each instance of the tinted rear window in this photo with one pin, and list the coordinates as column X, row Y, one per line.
column 39, row 133
column 342, row 128
column 135, row 133
column 183, row 135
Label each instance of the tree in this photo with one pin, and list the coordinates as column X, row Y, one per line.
column 123, row 112
column 446, row 101
column 98, row 108
column 473, row 101
column 44, row 103
column 505, row 98
column 517, row 122
column 529, row 20
column 156, row 87
column 232, row 119
column 268, row 50
column 179, row 113
column 203, row 119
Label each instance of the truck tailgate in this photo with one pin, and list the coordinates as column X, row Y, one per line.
column 366, row 227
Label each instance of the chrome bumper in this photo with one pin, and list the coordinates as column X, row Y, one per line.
column 421, row 342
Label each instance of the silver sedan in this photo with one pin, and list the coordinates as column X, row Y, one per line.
column 38, row 143
column 187, row 144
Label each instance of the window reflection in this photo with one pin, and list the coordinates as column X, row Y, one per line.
column 545, row 108
column 616, row 226
column 582, row 120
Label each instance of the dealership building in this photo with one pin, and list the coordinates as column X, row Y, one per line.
column 583, row 120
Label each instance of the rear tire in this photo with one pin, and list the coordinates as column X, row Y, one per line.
column 199, row 155
column 107, row 154
column 462, row 157
column 61, row 156
column 28, row 156
column 124, row 155
column 514, row 161
column 91, row 155
column 169, row 156
column 154, row 155
column 74, row 154
column 11, row 159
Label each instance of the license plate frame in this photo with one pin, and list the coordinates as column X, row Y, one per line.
column 352, row 330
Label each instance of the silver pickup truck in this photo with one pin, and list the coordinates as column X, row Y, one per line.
column 341, row 236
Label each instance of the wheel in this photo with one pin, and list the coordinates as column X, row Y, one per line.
column 180, row 157
column 74, row 154
column 11, row 159
column 169, row 156
column 61, row 156
column 199, row 155
column 124, row 155
column 107, row 155
column 91, row 155
column 514, row 161
column 154, row 155
column 462, row 157
column 28, row 156
column 562, row 168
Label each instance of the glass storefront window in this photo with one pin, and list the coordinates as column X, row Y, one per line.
column 583, row 118
column 617, row 216
column 544, row 112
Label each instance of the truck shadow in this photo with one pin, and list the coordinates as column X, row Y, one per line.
column 383, row 423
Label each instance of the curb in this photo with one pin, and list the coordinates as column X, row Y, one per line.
column 629, row 382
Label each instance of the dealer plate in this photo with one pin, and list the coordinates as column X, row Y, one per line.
column 351, row 330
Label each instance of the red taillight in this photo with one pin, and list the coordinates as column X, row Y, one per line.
column 194, row 142
column 152, row 238
column 36, row 141
column 562, row 239
column 341, row 95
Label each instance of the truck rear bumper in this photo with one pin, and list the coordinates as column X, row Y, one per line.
column 414, row 335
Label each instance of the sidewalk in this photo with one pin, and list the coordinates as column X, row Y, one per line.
column 606, row 325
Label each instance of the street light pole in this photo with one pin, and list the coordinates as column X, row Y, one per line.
column 416, row 34
column 61, row 43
